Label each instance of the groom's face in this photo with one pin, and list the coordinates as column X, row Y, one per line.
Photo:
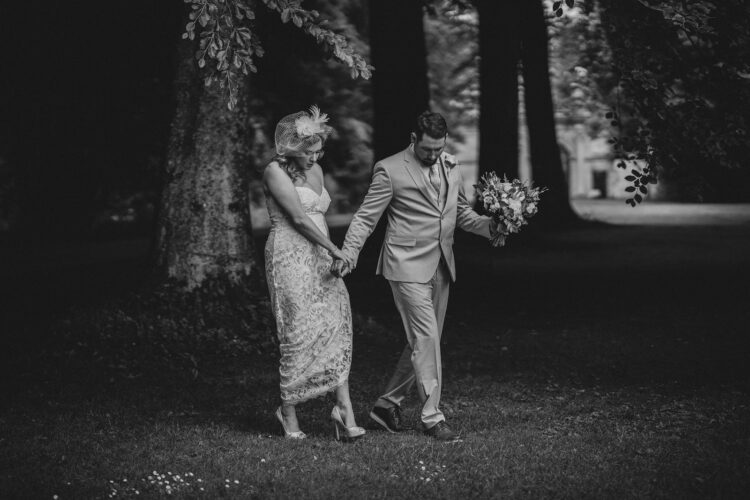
column 427, row 149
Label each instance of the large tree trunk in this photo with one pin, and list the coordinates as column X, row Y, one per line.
column 546, row 163
column 499, row 51
column 400, row 87
column 204, row 230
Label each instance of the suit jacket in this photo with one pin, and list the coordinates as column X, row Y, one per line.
column 419, row 231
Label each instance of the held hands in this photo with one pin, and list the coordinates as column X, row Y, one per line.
column 341, row 266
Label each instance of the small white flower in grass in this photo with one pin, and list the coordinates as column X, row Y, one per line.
column 424, row 468
column 226, row 480
column 124, row 480
column 226, row 486
column 263, row 460
column 421, row 462
column 236, row 481
column 55, row 497
column 427, row 480
column 201, row 489
column 200, row 480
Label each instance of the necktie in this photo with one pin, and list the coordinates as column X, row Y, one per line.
column 435, row 179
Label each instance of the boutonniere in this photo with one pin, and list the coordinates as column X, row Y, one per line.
column 449, row 160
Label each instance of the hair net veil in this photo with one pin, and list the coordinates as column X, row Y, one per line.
column 299, row 131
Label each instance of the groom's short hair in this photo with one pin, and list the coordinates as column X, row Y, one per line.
column 432, row 124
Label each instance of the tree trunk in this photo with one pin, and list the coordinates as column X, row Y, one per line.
column 204, row 230
column 500, row 52
column 400, row 87
column 546, row 164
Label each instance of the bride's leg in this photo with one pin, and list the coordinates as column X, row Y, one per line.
column 290, row 417
column 344, row 402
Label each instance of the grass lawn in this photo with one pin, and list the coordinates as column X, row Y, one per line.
column 589, row 364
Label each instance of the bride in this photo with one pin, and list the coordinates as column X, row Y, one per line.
column 310, row 304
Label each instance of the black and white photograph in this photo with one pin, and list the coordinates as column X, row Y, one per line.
column 370, row 249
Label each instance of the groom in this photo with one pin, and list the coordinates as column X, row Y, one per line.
column 421, row 191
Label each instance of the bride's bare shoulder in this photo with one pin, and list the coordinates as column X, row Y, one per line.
column 273, row 167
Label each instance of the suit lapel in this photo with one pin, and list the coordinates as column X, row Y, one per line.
column 415, row 171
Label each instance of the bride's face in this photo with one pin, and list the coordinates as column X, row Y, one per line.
column 307, row 158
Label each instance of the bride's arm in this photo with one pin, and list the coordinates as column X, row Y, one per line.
column 281, row 187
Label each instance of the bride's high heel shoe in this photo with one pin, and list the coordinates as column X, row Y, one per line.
column 343, row 432
column 287, row 434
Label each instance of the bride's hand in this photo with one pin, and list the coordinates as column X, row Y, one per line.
column 337, row 254
column 340, row 266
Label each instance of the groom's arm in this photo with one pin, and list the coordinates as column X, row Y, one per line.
column 468, row 220
column 363, row 223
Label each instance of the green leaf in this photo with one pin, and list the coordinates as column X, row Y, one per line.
column 629, row 189
column 638, row 198
column 570, row 3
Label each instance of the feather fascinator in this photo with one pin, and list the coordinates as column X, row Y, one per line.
column 311, row 123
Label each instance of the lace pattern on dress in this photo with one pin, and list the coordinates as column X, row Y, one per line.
column 311, row 305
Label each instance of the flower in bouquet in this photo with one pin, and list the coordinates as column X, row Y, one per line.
column 510, row 203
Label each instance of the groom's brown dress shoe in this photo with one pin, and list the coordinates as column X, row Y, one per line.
column 388, row 418
column 442, row 432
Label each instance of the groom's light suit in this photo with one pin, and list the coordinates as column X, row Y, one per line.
column 417, row 259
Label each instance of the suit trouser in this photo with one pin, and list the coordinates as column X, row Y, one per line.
column 422, row 308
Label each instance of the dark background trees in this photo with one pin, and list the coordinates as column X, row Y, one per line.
column 90, row 104
column 676, row 74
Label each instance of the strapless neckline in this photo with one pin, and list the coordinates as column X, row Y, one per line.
column 312, row 190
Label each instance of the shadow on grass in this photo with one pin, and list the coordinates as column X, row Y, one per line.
column 585, row 363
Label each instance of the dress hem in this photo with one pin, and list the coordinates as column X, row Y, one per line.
column 319, row 394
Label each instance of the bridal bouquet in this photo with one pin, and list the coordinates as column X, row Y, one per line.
column 510, row 203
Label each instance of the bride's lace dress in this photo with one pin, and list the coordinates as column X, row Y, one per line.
column 311, row 305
